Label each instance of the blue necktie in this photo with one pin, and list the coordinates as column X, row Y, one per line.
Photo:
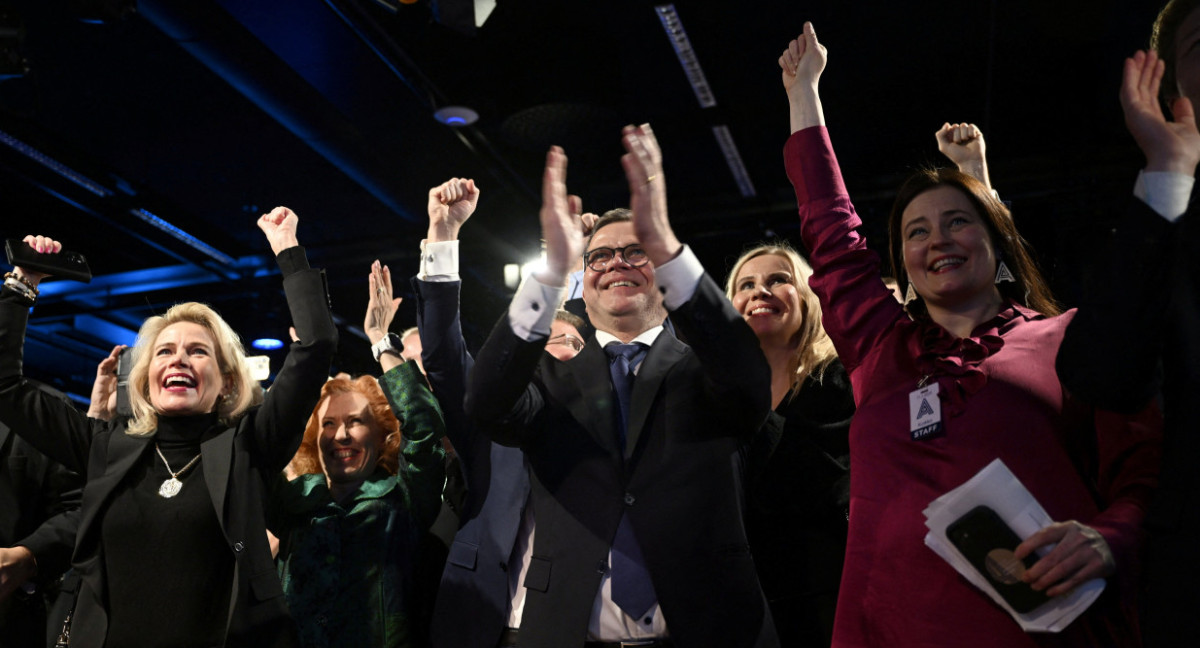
column 632, row 589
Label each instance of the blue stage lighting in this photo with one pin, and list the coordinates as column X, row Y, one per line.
column 267, row 344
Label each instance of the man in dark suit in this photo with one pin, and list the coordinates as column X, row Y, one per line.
column 1142, row 313
column 639, row 534
column 480, row 600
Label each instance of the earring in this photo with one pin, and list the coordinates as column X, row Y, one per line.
column 1003, row 273
column 910, row 295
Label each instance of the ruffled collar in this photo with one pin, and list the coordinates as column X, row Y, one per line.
column 954, row 362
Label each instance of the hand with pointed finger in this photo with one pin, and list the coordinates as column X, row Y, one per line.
column 803, row 60
column 801, row 64
column 648, row 194
column 560, row 228
column 43, row 245
column 1079, row 555
column 280, row 228
column 1168, row 145
column 103, row 403
column 450, row 205
column 381, row 306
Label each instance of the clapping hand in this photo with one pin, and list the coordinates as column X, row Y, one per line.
column 1168, row 146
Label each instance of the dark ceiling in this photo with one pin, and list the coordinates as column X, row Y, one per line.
column 164, row 120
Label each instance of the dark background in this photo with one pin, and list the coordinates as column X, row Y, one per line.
column 207, row 114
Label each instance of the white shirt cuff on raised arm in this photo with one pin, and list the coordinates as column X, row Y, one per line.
column 678, row 278
column 1166, row 192
column 439, row 261
column 532, row 309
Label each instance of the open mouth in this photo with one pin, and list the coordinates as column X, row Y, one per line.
column 621, row 283
column 178, row 382
column 764, row 310
column 946, row 264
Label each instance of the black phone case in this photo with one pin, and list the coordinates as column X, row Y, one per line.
column 978, row 533
column 64, row 264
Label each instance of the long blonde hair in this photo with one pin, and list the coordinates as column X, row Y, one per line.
column 244, row 393
column 814, row 350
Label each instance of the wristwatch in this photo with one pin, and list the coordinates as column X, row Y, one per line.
column 389, row 343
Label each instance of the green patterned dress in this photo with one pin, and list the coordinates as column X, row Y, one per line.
column 347, row 568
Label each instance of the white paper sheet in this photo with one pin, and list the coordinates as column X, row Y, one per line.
column 995, row 486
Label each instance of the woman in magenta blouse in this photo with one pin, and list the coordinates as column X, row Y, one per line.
column 983, row 335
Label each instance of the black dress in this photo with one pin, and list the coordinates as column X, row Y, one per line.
column 797, row 476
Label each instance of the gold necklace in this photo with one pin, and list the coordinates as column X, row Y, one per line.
column 170, row 488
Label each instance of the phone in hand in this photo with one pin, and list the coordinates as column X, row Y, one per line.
column 124, row 365
column 988, row 543
column 63, row 264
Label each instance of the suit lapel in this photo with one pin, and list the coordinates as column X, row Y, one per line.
column 664, row 353
column 595, row 408
column 217, row 461
column 122, row 453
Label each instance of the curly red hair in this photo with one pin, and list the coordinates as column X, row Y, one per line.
column 307, row 459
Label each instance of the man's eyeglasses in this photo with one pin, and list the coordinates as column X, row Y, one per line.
column 566, row 339
column 600, row 258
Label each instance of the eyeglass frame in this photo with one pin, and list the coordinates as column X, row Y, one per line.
column 615, row 251
column 565, row 340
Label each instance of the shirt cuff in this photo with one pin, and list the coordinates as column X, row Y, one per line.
column 678, row 278
column 532, row 309
column 1166, row 192
column 292, row 260
column 439, row 261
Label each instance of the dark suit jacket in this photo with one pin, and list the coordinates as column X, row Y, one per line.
column 472, row 603
column 39, row 510
column 676, row 481
column 237, row 461
column 1140, row 317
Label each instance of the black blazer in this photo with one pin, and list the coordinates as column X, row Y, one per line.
column 238, row 463
column 1138, row 331
column 472, row 602
column 676, row 481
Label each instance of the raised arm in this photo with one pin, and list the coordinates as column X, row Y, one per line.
column 964, row 145
column 1125, row 312
column 51, row 425
column 500, row 395
column 857, row 308
column 278, row 425
column 422, row 428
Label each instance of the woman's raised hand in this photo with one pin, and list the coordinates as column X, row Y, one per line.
column 280, row 227
column 43, row 245
column 802, row 63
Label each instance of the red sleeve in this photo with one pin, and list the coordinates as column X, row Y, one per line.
column 857, row 309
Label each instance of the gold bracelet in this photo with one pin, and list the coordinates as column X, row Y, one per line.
column 28, row 283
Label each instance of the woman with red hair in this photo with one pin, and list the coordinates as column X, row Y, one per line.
column 350, row 523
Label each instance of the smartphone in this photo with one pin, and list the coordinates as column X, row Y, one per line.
column 124, row 365
column 64, row 264
column 988, row 543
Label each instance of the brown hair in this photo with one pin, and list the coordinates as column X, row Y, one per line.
column 1029, row 289
column 1162, row 40
column 814, row 349
column 616, row 215
column 307, row 459
column 244, row 393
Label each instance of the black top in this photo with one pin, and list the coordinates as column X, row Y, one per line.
column 798, row 497
column 169, row 571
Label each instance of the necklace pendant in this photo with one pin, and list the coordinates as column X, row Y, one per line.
column 170, row 488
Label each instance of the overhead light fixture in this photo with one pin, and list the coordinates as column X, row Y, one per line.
column 456, row 116
column 686, row 55
column 267, row 344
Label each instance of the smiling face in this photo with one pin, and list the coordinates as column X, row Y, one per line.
column 765, row 294
column 948, row 253
column 184, row 373
column 350, row 442
column 621, row 297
